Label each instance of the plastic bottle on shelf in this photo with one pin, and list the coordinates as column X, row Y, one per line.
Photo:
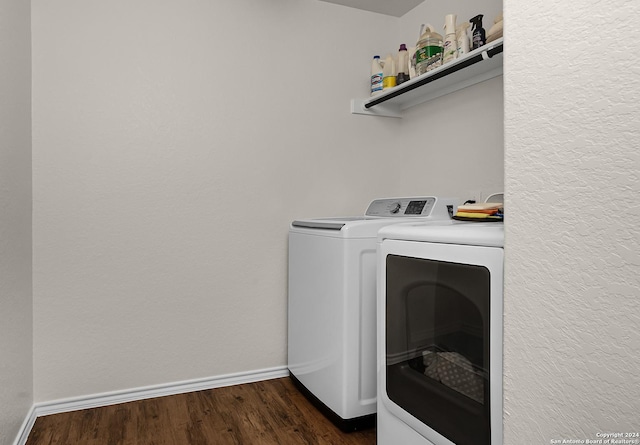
column 388, row 73
column 403, row 65
column 463, row 38
column 412, row 61
column 478, row 35
column 376, row 76
column 450, row 51
column 428, row 51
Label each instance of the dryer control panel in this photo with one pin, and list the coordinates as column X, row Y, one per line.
column 429, row 206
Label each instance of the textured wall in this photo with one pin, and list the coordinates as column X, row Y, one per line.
column 572, row 166
column 173, row 144
column 16, row 384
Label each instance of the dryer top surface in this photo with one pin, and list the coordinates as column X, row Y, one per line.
column 454, row 232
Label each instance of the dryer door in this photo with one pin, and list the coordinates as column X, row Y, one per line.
column 438, row 340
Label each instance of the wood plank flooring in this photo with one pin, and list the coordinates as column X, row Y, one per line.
column 268, row 412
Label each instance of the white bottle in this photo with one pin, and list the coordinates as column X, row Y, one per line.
column 463, row 39
column 450, row 42
column 376, row 76
column 412, row 62
column 389, row 73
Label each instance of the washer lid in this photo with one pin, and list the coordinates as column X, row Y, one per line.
column 456, row 232
column 349, row 227
column 326, row 223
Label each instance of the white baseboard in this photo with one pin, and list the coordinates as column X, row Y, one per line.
column 147, row 392
column 25, row 428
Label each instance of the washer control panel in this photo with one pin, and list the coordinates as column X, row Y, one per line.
column 420, row 206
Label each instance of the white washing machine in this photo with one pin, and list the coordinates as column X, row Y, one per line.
column 332, row 305
column 440, row 334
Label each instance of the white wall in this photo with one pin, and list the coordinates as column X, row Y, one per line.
column 459, row 139
column 173, row 144
column 16, row 365
column 572, row 286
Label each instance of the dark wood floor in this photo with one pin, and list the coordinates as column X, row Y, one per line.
column 269, row 412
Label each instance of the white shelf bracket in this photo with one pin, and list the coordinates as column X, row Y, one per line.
column 383, row 109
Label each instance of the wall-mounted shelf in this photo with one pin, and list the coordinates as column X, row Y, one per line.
column 478, row 65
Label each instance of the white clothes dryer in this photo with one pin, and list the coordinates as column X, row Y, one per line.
column 440, row 334
column 332, row 305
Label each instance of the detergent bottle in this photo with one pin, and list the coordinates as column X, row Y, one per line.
column 450, row 51
column 462, row 38
column 388, row 73
column 403, row 65
column 428, row 51
column 376, row 76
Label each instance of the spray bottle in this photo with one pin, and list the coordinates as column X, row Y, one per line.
column 463, row 39
column 478, row 38
column 450, row 42
column 403, row 65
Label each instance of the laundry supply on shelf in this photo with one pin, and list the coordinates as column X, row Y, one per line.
column 389, row 73
column 478, row 35
column 412, row 61
column 462, row 39
column 376, row 76
column 450, row 46
column 429, row 51
column 403, row 65
column 495, row 32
